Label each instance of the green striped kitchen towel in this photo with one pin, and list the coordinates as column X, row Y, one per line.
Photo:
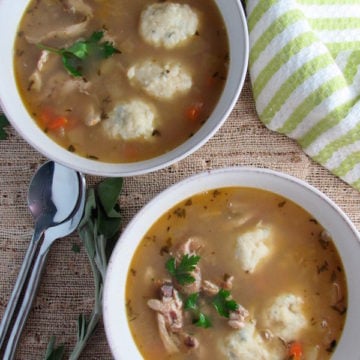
column 305, row 73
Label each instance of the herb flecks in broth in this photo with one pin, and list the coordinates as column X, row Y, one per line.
column 93, row 101
column 294, row 298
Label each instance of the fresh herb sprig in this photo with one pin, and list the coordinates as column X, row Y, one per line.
column 182, row 271
column 223, row 304
column 98, row 230
column 54, row 352
column 200, row 319
column 73, row 56
column 3, row 123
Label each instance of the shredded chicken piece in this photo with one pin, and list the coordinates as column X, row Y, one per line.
column 69, row 31
column 93, row 117
column 78, row 6
column 209, row 288
column 191, row 246
column 237, row 318
column 49, row 86
column 170, row 320
column 72, row 84
column 45, row 61
column 110, row 39
column 189, row 340
column 227, row 283
column 165, row 336
column 75, row 6
column 170, row 306
column 212, row 289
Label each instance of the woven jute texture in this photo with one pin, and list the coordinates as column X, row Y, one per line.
column 67, row 285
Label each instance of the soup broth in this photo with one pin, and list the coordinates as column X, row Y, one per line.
column 249, row 247
column 139, row 101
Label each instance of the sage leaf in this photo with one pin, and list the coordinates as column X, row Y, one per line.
column 3, row 123
column 108, row 192
column 98, row 229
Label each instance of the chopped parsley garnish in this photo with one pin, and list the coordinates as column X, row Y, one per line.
column 199, row 319
column 203, row 321
column 191, row 302
column 223, row 304
column 73, row 56
column 182, row 271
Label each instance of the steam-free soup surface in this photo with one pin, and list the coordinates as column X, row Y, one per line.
column 143, row 95
column 270, row 265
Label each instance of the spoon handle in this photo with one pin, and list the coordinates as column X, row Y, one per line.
column 19, row 284
column 29, row 296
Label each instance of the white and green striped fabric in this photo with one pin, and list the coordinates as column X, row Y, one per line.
column 305, row 73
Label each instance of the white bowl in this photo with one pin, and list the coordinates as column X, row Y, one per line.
column 329, row 215
column 10, row 14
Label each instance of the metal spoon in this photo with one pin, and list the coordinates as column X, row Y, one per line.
column 52, row 197
column 51, row 234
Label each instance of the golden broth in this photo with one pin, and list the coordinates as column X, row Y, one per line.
column 300, row 262
column 105, row 83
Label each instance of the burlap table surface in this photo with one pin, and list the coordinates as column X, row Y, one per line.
column 67, row 284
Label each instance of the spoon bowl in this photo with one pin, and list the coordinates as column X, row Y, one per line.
column 48, row 206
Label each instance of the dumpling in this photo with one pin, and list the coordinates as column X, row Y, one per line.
column 131, row 120
column 160, row 79
column 168, row 24
column 252, row 247
column 284, row 317
column 245, row 344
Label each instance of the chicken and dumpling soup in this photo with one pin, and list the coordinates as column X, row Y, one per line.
column 119, row 80
column 236, row 273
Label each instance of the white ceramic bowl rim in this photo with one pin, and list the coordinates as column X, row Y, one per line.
column 330, row 216
column 10, row 101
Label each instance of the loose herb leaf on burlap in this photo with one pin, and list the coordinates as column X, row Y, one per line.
column 3, row 123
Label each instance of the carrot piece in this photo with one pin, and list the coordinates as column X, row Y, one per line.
column 46, row 116
column 295, row 351
column 57, row 123
column 52, row 121
column 193, row 111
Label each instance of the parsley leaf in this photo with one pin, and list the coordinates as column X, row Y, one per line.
column 181, row 272
column 222, row 305
column 3, row 122
column 191, row 302
column 200, row 319
column 203, row 321
column 73, row 56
